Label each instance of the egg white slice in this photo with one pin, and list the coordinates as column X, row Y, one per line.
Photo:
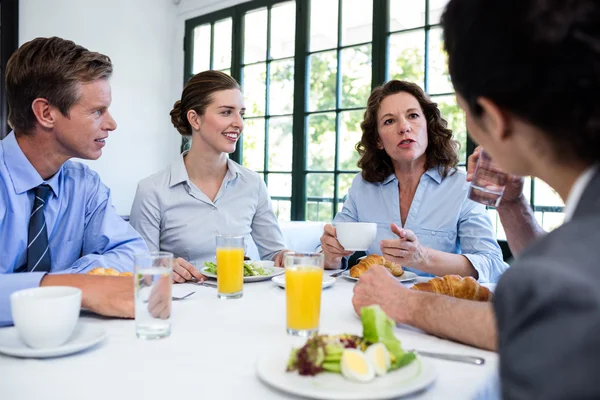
column 379, row 357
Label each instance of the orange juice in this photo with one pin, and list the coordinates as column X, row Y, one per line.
column 230, row 270
column 303, row 285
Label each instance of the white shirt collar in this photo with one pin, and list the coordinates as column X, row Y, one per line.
column 577, row 191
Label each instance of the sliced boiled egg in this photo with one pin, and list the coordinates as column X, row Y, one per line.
column 379, row 357
column 356, row 366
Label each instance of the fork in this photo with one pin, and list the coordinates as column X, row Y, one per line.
column 452, row 357
column 338, row 273
column 182, row 297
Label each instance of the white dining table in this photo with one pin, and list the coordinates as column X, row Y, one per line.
column 212, row 352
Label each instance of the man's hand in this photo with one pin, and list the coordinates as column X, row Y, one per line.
column 279, row 258
column 378, row 286
column 159, row 302
column 514, row 187
column 332, row 249
column 183, row 271
column 105, row 295
column 406, row 250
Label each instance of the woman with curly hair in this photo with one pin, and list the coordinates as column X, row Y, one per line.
column 410, row 186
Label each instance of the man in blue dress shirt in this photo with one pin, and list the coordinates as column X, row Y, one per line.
column 57, row 221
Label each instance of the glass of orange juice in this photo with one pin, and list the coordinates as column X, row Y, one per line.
column 303, row 286
column 230, row 266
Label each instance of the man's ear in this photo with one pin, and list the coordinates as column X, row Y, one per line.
column 495, row 120
column 194, row 119
column 44, row 113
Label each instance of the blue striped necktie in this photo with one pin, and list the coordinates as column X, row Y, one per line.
column 38, row 252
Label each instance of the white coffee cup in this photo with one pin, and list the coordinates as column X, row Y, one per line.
column 356, row 236
column 45, row 316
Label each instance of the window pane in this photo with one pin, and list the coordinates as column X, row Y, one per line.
column 350, row 134
column 282, row 209
column 356, row 76
column 222, row 47
column 318, row 210
column 456, row 122
column 255, row 89
column 498, row 229
column 549, row 220
column 253, row 140
column 255, row 36
column 283, row 30
column 319, row 191
column 201, row 49
column 280, row 144
column 323, row 24
column 344, row 182
column 323, row 68
column 545, row 195
column 406, row 14
column 321, row 139
column 357, row 22
column 280, row 185
column 281, row 87
column 436, row 9
column 438, row 75
column 407, row 57
column 226, row 71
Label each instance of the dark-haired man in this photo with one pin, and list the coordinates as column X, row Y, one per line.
column 56, row 216
column 526, row 72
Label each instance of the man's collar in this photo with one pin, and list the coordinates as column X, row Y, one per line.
column 24, row 176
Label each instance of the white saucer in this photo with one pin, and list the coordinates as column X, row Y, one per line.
column 84, row 336
column 280, row 281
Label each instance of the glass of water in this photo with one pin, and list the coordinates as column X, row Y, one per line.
column 488, row 183
column 152, row 282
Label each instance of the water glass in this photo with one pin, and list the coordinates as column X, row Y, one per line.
column 488, row 183
column 153, row 284
column 303, row 286
column 230, row 266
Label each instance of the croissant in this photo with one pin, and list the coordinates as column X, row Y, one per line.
column 108, row 272
column 374, row 259
column 456, row 286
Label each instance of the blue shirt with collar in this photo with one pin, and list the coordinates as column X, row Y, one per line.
column 84, row 229
column 441, row 216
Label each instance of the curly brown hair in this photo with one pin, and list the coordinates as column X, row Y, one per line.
column 442, row 150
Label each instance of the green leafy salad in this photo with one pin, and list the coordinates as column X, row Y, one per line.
column 249, row 269
column 357, row 358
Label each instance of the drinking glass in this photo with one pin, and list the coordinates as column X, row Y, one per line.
column 230, row 266
column 303, row 286
column 153, row 277
column 488, row 183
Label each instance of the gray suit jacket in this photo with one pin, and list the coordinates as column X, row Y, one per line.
column 548, row 311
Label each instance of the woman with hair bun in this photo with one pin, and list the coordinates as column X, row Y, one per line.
column 204, row 192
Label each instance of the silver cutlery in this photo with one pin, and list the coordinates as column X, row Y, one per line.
column 182, row 297
column 205, row 283
column 338, row 273
column 452, row 357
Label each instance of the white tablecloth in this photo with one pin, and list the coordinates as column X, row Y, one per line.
column 212, row 353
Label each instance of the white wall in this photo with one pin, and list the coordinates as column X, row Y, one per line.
column 139, row 37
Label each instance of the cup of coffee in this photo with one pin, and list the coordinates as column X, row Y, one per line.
column 45, row 317
column 356, row 236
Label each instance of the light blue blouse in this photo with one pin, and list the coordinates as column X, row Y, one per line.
column 173, row 215
column 441, row 216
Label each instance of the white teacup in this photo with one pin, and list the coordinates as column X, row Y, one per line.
column 356, row 236
column 45, row 316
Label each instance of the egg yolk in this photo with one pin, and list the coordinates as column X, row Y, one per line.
column 357, row 363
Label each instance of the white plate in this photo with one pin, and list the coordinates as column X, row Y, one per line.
column 406, row 276
column 84, row 336
column 274, row 272
column 415, row 377
column 327, row 281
